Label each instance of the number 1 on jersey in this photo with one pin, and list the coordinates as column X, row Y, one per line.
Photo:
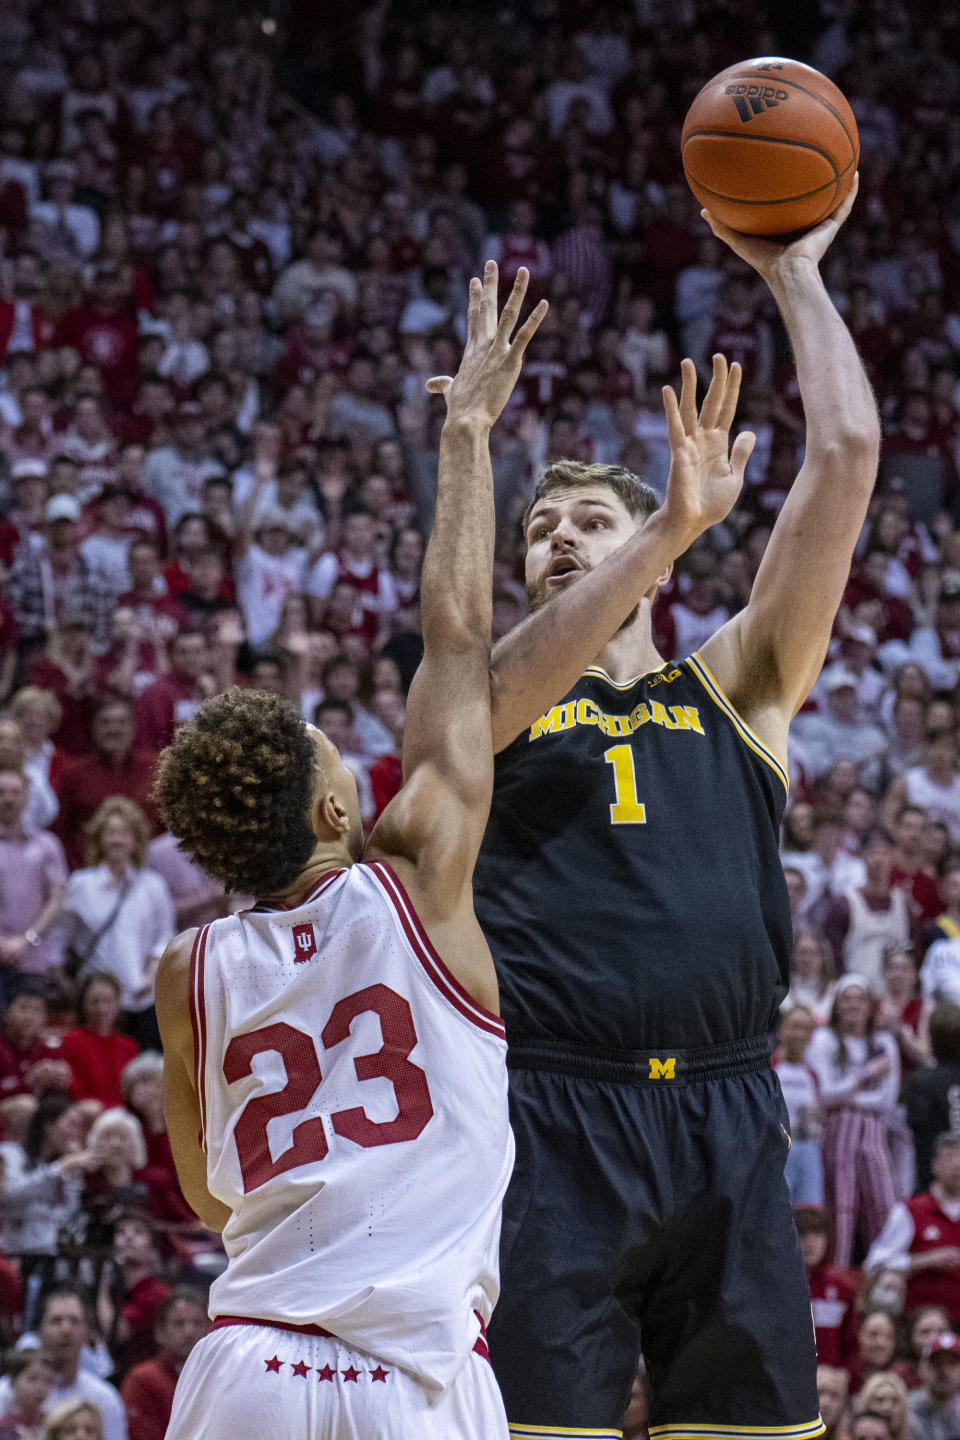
column 627, row 809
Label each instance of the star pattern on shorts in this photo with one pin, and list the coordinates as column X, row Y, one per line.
column 379, row 1374
column 274, row 1365
column 301, row 1369
column 350, row 1374
column 326, row 1373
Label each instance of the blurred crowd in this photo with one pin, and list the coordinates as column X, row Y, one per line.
column 234, row 243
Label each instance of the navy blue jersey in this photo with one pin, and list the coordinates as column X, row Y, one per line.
column 629, row 883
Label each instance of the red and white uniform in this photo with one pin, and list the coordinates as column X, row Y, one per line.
column 354, row 1115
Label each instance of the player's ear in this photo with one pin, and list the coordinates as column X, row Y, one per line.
column 328, row 817
column 335, row 816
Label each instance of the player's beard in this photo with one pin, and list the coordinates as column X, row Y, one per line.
column 539, row 594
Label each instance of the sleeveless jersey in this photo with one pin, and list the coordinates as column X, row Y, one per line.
column 629, row 882
column 354, row 1115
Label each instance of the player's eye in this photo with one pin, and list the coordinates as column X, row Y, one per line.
column 596, row 524
column 540, row 533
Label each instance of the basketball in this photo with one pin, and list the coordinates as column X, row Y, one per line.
column 770, row 146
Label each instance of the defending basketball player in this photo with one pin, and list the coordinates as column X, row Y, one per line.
column 630, row 888
column 335, row 1090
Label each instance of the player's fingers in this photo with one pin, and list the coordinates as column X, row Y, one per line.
column 439, row 384
column 841, row 213
column 675, row 431
column 713, row 400
column 488, row 301
column 741, row 452
column 530, row 327
column 473, row 307
column 731, row 394
column 511, row 311
column 688, row 396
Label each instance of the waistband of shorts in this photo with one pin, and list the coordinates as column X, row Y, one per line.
column 221, row 1322
column 666, row 1065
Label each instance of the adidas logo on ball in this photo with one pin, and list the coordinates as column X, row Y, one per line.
column 752, row 100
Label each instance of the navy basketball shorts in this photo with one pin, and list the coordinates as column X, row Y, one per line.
column 648, row 1211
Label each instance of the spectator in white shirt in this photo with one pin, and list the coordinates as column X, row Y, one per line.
column 837, row 733
column 801, row 1093
column 65, row 1328
column 812, row 985
column 859, row 1073
column 828, row 869
column 63, row 229
column 121, row 914
column 42, row 804
column 268, row 563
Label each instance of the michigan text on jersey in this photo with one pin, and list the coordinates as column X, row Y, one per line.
column 586, row 712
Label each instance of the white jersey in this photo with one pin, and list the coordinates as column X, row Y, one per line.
column 353, row 1105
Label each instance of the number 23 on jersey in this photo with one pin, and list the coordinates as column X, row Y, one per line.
column 298, row 1051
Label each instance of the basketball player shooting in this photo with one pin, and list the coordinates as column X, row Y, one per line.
column 631, row 891
column 335, row 1090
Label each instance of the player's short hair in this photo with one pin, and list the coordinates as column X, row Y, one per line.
column 636, row 495
column 235, row 788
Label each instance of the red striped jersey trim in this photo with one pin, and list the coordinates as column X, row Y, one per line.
column 436, row 970
column 198, row 1021
column 223, row 1321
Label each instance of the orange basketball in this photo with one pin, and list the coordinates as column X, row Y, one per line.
column 770, row 146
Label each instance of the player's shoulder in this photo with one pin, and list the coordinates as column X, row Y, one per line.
column 172, row 983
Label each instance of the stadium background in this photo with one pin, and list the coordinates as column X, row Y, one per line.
column 233, row 245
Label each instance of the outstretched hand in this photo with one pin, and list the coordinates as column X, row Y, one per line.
column 491, row 362
column 763, row 254
column 706, row 476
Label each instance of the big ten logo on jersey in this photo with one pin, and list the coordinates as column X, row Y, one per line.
column 299, row 1054
column 304, row 943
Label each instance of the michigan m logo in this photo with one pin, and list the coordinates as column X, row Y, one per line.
column 664, row 1069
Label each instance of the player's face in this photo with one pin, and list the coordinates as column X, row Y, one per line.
column 570, row 532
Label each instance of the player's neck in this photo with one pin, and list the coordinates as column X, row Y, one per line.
column 631, row 653
column 327, row 857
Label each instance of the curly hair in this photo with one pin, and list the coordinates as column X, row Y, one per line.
column 235, row 788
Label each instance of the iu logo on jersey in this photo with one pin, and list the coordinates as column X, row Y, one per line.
column 304, row 943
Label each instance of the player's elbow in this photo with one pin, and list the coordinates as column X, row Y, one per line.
column 849, row 451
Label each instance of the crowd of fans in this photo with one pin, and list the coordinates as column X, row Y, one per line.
column 232, row 249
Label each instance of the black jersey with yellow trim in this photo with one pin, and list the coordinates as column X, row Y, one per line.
column 629, row 882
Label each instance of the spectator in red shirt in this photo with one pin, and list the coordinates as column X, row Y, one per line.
column 27, row 1062
column 177, row 696
column 68, row 670
column 147, row 1391
column 158, row 616
column 130, row 1291
column 105, row 334
column 142, row 1085
column 833, row 1297
column 114, row 768
column 95, row 1051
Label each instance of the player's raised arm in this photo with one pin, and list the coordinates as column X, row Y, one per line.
column 537, row 663
column 769, row 655
column 437, row 820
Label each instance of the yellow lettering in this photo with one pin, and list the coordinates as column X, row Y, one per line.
column 640, row 716
column 664, row 1069
column 561, row 717
column 627, row 809
column 587, row 713
column 687, row 717
column 621, row 724
column 660, row 716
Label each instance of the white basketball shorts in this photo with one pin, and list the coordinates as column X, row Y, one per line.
column 247, row 1382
